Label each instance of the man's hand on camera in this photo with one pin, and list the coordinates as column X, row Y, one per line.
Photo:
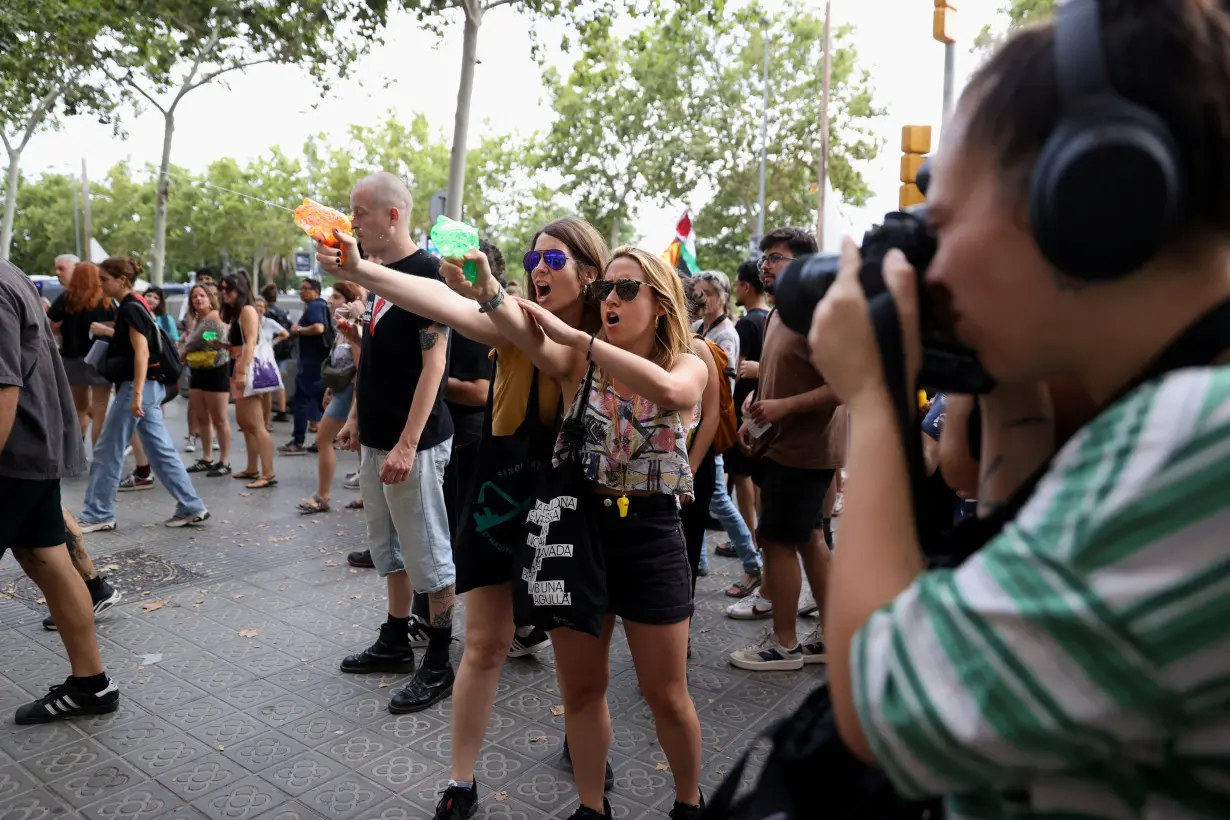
column 842, row 340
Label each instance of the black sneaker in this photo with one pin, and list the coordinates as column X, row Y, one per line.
column 565, row 762
column 362, row 559
column 385, row 655
column 528, row 645
column 67, row 701
column 281, row 418
column 457, row 803
column 105, row 597
column 586, row 813
column 682, row 811
column 219, row 470
column 202, row 465
column 291, row 448
column 427, row 688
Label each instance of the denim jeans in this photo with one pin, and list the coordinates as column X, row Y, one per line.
column 109, row 456
column 723, row 508
column 309, row 395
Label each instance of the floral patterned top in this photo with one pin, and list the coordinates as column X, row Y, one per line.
column 629, row 444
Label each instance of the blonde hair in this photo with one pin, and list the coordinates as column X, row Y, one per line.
column 673, row 335
column 211, row 293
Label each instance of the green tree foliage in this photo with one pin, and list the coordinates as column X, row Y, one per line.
column 674, row 112
column 48, row 49
column 1019, row 13
column 172, row 47
column 231, row 214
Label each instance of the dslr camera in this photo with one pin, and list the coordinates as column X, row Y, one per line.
column 947, row 365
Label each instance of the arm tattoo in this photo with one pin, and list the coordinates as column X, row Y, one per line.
column 428, row 338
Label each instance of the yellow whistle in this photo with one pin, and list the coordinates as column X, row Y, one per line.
column 622, row 503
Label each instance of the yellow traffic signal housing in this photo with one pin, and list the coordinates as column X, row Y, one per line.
column 915, row 145
column 916, row 139
column 944, row 23
column 910, row 163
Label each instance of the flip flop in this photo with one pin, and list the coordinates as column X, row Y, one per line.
column 263, row 483
column 245, row 475
column 313, row 505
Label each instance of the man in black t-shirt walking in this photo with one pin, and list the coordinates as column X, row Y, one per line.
column 405, row 431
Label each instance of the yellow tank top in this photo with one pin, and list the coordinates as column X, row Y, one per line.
column 513, row 376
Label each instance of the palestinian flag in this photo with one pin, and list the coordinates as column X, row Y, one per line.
column 681, row 255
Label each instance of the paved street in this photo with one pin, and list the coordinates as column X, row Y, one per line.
column 226, row 651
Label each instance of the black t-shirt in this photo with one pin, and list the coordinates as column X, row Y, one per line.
column 751, row 340
column 121, row 356
column 75, row 339
column 391, row 363
column 468, row 361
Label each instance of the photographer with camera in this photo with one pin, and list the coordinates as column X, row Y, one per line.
column 1078, row 664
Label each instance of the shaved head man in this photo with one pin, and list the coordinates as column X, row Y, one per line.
column 405, row 433
column 381, row 205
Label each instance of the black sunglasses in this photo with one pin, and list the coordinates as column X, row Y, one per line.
column 555, row 260
column 625, row 289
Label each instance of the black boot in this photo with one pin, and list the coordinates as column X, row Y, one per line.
column 430, row 685
column 683, row 811
column 586, row 813
column 565, row 762
column 390, row 653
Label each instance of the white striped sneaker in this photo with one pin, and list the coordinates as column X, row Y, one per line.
column 768, row 656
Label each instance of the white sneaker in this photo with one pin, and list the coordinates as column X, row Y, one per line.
column 752, row 608
column 101, row 526
column 768, row 656
column 190, row 446
column 813, row 647
column 352, row 481
column 807, row 604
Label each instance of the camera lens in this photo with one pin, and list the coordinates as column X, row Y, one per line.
column 801, row 286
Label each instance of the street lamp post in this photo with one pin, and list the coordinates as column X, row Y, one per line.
column 826, row 82
column 764, row 129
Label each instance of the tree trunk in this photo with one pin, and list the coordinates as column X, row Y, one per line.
column 10, row 202
column 160, row 202
column 461, row 122
column 616, row 224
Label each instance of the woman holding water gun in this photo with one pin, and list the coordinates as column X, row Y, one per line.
column 207, row 357
column 523, row 415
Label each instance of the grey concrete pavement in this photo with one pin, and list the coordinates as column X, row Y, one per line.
column 226, row 650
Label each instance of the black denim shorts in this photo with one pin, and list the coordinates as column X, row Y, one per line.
column 648, row 577
column 791, row 502
column 30, row 514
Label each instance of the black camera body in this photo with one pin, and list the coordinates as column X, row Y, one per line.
column 948, row 366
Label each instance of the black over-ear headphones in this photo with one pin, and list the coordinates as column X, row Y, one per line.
column 1108, row 187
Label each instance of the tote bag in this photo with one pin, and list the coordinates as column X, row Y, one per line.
column 263, row 375
column 562, row 578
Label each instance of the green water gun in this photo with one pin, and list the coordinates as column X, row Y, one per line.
column 454, row 240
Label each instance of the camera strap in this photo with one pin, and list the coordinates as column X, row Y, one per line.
column 1201, row 344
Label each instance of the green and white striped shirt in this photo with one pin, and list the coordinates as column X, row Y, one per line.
column 1079, row 665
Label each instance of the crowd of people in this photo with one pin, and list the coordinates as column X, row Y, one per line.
column 555, row 455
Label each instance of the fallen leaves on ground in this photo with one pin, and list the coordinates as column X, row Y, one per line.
column 663, row 767
column 383, row 686
column 501, row 795
column 248, row 633
column 237, row 596
column 150, row 606
column 557, row 710
column 42, row 600
column 538, row 738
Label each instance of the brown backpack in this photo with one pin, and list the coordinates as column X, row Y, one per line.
column 727, row 433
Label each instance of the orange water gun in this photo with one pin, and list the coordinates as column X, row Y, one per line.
column 318, row 222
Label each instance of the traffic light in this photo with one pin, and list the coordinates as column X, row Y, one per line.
column 944, row 22
column 915, row 145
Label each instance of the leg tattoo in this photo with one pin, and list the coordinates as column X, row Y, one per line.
column 441, row 604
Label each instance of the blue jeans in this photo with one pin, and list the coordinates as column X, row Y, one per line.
column 109, row 456
column 723, row 508
column 309, row 394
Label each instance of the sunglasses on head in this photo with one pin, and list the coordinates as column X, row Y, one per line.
column 625, row 289
column 555, row 260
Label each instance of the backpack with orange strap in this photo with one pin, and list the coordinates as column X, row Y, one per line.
column 727, row 433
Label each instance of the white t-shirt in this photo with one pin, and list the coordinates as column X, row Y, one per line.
column 270, row 330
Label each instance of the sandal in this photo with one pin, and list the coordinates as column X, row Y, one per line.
column 745, row 586
column 313, row 505
column 246, row 475
column 357, row 504
column 263, row 483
